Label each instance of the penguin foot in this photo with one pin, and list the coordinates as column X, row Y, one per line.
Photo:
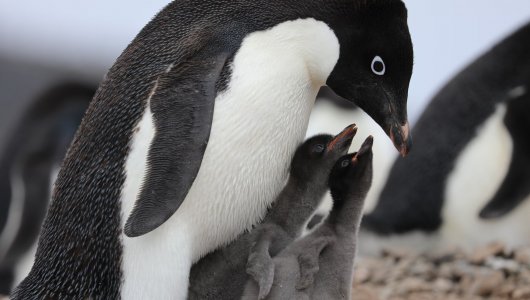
column 261, row 268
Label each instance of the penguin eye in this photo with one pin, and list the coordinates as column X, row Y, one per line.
column 318, row 148
column 345, row 163
column 378, row 66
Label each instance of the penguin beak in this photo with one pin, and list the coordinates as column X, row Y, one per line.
column 395, row 118
column 387, row 108
column 365, row 148
column 344, row 139
column 400, row 136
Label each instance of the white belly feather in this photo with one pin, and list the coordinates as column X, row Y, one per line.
column 257, row 124
column 479, row 172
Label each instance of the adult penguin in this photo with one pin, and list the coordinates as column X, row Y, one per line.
column 464, row 143
column 28, row 166
column 188, row 139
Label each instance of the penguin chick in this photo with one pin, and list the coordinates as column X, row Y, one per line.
column 221, row 274
column 320, row 266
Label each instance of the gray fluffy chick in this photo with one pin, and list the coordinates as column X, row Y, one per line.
column 221, row 274
column 320, row 265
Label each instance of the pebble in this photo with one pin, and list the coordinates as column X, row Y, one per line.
column 463, row 269
column 396, row 253
column 502, row 264
column 486, row 284
column 445, row 271
column 480, row 254
column 524, row 276
column 413, row 285
column 465, row 284
column 364, row 293
column 361, row 275
column 442, row 285
column 380, row 275
column 443, row 255
column 523, row 256
column 422, row 269
column 505, row 290
column 521, row 293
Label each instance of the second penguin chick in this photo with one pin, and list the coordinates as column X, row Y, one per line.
column 320, row 265
column 221, row 274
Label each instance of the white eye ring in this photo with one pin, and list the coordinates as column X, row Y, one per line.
column 376, row 60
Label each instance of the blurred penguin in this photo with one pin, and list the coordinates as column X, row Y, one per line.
column 467, row 180
column 29, row 164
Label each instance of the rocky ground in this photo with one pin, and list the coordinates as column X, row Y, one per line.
column 489, row 272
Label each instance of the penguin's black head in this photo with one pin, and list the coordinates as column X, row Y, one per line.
column 375, row 65
column 352, row 174
column 316, row 156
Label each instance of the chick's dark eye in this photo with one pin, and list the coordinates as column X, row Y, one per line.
column 318, row 148
column 378, row 66
column 345, row 163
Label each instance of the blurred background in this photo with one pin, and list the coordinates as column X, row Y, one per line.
column 84, row 39
column 54, row 53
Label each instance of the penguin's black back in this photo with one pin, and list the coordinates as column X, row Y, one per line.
column 412, row 198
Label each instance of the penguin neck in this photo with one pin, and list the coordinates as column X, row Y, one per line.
column 347, row 210
column 295, row 204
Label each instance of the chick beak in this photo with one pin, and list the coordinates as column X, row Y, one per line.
column 365, row 147
column 343, row 139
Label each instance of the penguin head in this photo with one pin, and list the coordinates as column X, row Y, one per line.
column 316, row 156
column 352, row 174
column 375, row 65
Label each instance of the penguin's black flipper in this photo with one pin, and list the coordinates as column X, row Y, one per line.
column 514, row 189
column 182, row 103
column 516, row 185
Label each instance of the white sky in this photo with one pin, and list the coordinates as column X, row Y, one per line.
column 87, row 36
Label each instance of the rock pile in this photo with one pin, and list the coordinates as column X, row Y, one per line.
column 489, row 272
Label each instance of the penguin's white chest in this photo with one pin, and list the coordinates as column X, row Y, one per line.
column 258, row 122
column 255, row 131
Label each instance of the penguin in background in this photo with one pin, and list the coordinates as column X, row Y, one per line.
column 459, row 186
column 189, row 137
column 28, row 167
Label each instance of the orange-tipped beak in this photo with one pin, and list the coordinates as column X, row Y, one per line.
column 343, row 139
column 365, row 147
column 401, row 138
